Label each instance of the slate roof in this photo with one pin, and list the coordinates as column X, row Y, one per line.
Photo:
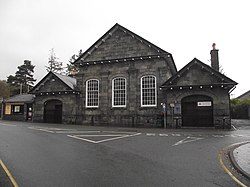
column 70, row 82
column 172, row 81
column 21, row 98
column 245, row 95
column 158, row 51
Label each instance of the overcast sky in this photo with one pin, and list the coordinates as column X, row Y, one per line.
column 30, row 29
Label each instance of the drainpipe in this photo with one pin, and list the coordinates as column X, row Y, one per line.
column 232, row 90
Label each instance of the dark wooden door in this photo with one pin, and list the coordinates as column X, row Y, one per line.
column 53, row 111
column 197, row 111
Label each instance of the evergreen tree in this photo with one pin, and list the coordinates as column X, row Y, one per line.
column 54, row 64
column 4, row 89
column 71, row 69
column 23, row 80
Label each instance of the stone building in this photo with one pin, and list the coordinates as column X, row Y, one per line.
column 56, row 99
column 18, row 107
column 244, row 96
column 119, row 80
column 125, row 80
column 198, row 96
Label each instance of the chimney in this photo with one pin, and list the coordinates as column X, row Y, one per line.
column 214, row 58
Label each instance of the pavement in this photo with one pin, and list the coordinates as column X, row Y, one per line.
column 240, row 158
column 240, row 154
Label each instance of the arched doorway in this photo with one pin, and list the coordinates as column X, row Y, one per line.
column 53, row 111
column 197, row 111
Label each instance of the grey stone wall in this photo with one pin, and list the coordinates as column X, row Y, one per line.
column 197, row 76
column 221, row 105
column 53, row 84
column 120, row 45
column 70, row 113
column 53, row 88
column 133, row 114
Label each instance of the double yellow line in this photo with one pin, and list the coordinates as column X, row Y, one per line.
column 9, row 174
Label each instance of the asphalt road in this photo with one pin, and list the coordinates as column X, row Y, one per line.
column 60, row 155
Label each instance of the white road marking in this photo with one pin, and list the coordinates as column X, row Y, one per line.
column 163, row 134
column 87, row 140
column 57, row 129
column 239, row 135
column 39, row 129
column 76, row 132
column 7, row 125
column 123, row 132
column 234, row 127
column 150, row 134
column 99, row 135
column 231, row 135
column 176, row 135
column 218, row 136
column 187, row 140
column 45, row 130
column 105, row 140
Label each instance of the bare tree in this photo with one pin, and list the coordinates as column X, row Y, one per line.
column 54, row 64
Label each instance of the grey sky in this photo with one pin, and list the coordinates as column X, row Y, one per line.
column 187, row 29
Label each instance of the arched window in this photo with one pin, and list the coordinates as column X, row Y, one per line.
column 119, row 92
column 92, row 93
column 148, row 91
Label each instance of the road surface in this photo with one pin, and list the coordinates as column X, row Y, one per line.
column 39, row 154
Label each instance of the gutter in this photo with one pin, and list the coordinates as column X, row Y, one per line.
column 232, row 90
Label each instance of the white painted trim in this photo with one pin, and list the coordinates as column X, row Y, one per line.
column 155, row 91
column 86, row 94
column 117, row 106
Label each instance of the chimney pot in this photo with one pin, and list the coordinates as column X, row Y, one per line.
column 214, row 46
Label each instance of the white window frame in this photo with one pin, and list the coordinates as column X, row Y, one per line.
column 113, row 99
column 155, row 88
column 87, row 104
